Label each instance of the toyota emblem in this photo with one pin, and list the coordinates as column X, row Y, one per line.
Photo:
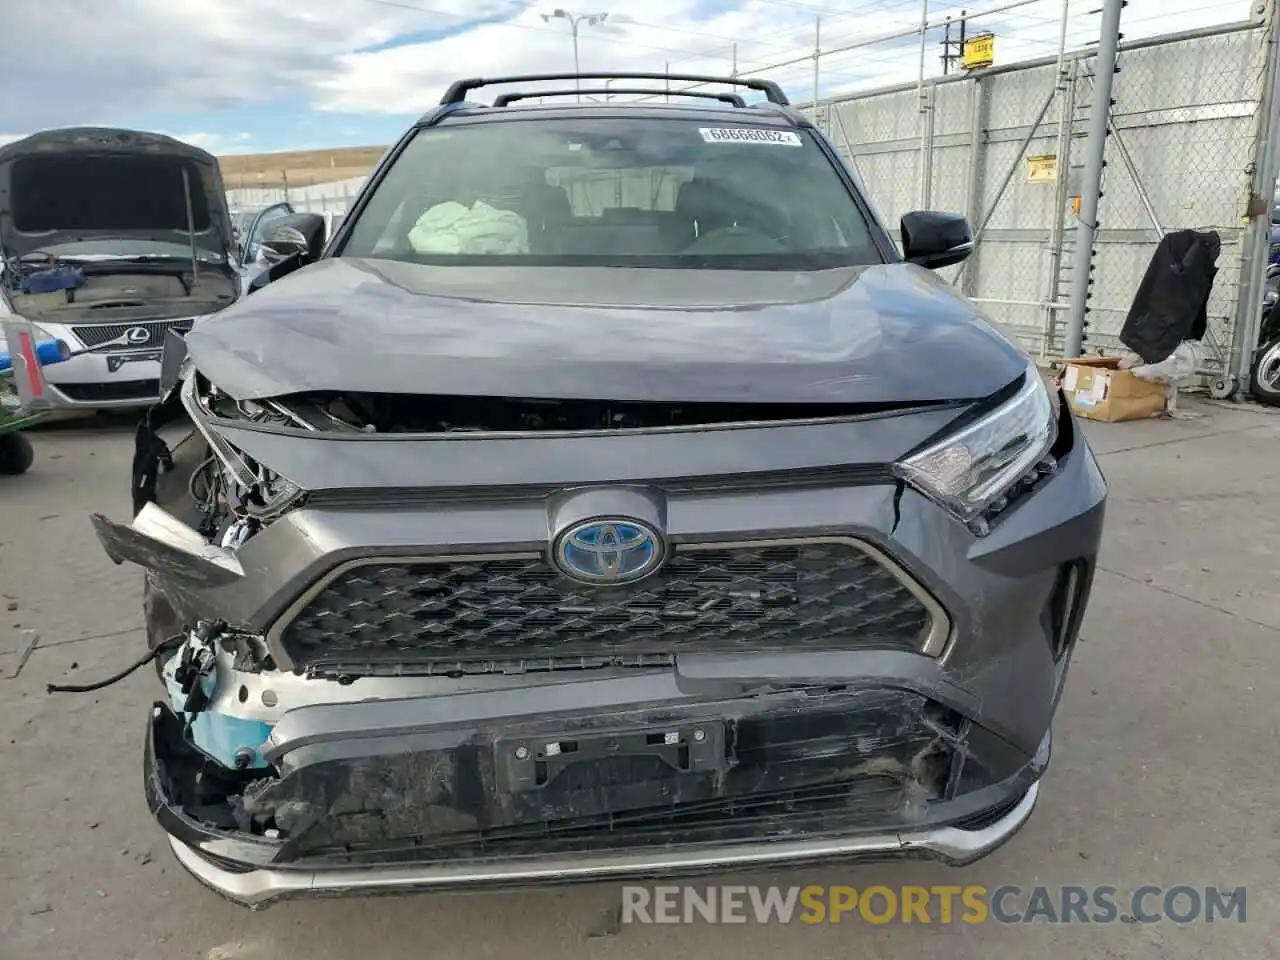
column 611, row 551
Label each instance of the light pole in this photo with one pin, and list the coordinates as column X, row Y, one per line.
column 590, row 19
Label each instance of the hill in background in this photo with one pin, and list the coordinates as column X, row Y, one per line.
column 299, row 168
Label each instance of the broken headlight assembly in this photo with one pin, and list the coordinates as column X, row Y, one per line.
column 229, row 479
column 985, row 462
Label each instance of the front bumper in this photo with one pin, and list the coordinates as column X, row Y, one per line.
column 256, row 871
column 97, row 381
column 260, row 888
column 121, row 376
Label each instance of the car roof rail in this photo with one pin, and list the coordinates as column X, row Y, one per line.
column 502, row 99
column 458, row 90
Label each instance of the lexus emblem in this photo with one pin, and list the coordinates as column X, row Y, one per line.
column 137, row 336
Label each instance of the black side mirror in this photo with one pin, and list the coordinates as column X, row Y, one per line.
column 935, row 240
column 285, row 242
column 297, row 234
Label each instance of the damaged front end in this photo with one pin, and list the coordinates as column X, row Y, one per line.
column 418, row 788
column 373, row 684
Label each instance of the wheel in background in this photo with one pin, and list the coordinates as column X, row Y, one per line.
column 16, row 455
column 1264, row 378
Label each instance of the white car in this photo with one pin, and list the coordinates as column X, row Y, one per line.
column 108, row 239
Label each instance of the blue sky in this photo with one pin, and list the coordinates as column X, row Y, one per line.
column 264, row 75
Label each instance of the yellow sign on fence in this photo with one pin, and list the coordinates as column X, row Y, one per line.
column 1042, row 168
column 979, row 51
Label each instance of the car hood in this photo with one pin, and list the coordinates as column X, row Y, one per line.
column 886, row 334
column 100, row 166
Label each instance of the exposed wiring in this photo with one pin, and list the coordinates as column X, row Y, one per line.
column 171, row 644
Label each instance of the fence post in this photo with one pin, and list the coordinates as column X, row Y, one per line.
column 1257, row 239
column 817, row 58
column 1104, row 69
column 925, row 106
column 977, row 162
column 1066, row 123
column 926, row 147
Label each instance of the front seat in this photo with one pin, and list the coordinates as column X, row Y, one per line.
column 546, row 211
column 700, row 208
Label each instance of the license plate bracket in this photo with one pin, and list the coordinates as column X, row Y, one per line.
column 116, row 361
column 531, row 762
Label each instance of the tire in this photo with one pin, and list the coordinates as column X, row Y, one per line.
column 1264, row 376
column 16, row 455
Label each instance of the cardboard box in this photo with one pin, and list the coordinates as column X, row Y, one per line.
column 1098, row 389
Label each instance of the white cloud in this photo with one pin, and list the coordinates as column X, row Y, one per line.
column 169, row 56
column 681, row 32
column 173, row 55
column 218, row 142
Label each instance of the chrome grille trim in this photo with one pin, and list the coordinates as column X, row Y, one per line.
column 934, row 640
column 100, row 334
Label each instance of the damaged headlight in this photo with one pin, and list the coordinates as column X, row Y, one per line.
column 968, row 470
column 255, row 490
column 227, row 455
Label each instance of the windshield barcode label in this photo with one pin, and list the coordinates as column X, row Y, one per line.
column 781, row 138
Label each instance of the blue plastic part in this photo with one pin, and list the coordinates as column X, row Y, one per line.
column 51, row 280
column 47, row 352
column 220, row 736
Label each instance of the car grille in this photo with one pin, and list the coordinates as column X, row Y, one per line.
column 98, row 334
column 148, row 390
column 446, row 614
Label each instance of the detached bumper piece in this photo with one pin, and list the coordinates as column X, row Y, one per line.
column 671, row 788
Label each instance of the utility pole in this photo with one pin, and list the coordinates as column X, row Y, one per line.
column 953, row 50
column 1104, row 70
column 590, row 19
column 817, row 56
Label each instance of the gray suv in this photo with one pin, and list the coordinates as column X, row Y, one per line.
column 609, row 497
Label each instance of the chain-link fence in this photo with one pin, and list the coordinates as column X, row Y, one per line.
column 1006, row 146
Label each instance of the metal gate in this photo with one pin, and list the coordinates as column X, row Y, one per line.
column 1006, row 145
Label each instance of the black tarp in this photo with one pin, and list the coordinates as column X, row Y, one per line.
column 1172, row 301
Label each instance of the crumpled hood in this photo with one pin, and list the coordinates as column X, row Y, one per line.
column 881, row 334
column 90, row 183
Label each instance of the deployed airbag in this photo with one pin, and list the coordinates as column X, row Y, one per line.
column 452, row 227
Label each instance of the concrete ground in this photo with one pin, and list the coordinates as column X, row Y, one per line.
column 1164, row 769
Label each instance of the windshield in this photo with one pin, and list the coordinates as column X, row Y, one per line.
column 614, row 192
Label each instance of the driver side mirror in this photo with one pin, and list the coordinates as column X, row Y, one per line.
column 298, row 234
column 285, row 242
column 291, row 242
column 935, row 240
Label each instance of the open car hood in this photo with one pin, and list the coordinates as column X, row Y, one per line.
column 98, row 183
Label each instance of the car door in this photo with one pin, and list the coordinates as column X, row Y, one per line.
column 257, row 229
